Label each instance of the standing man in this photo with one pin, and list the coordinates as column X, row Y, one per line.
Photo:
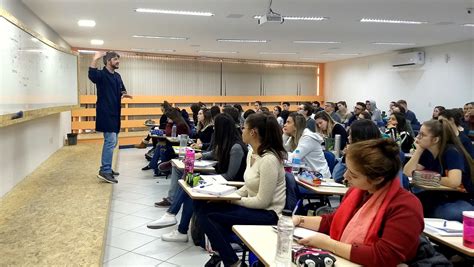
column 110, row 91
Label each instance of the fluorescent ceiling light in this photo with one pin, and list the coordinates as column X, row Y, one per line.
column 160, row 37
column 34, row 39
column 152, row 50
column 242, row 41
column 278, row 53
column 217, row 52
column 468, row 25
column 389, row 43
column 315, row 42
column 391, row 21
column 298, row 18
column 97, row 42
column 310, row 58
column 86, row 23
column 174, row 12
column 86, row 51
column 341, row 54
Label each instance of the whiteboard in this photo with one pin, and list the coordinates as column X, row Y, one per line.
column 33, row 75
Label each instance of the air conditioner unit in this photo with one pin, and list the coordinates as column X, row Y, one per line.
column 409, row 59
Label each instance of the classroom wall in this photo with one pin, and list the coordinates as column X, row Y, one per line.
column 157, row 75
column 445, row 79
column 25, row 146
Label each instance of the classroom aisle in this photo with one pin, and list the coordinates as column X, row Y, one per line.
column 129, row 241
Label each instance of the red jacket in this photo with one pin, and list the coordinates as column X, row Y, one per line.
column 399, row 235
column 180, row 129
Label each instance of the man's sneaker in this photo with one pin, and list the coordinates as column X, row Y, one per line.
column 142, row 145
column 114, row 173
column 166, row 220
column 174, row 236
column 108, row 177
column 164, row 203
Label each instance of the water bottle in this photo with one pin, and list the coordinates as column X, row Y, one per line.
column 189, row 161
column 183, row 142
column 296, row 162
column 285, row 239
column 337, row 145
column 173, row 131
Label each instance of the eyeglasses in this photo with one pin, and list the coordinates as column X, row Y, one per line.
column 421, row 135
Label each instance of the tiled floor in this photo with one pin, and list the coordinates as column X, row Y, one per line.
column 129, row 241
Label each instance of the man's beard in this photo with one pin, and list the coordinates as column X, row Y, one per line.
column 115, row 66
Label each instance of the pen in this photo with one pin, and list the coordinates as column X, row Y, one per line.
column 444, row 223
column 204, row 185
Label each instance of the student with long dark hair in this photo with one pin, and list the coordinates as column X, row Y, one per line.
column 438, row 149
column 263, row 195
column 454, row 117
column 397, row 128
column 164, row 151
column 436, row 111
column 360, row 130
column 205, row 128
column 229, row 151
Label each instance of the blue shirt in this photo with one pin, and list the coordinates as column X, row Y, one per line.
column 109, row 93
column 451, row 159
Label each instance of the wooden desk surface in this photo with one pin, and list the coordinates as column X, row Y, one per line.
column 454, row 242
column 325, row 190
column 180, row 165
column 200, row 196
column 262, row 241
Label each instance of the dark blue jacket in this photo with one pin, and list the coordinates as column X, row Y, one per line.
column 109, row 94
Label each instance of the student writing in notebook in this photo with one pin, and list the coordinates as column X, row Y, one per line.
column 378, row 223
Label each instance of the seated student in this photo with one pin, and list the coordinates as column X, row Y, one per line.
column 297, row 137
column 359, row 108
column 263, row 195
column 410, row 115
column 343, row 112
column 329, row 128
column 439, row 150
column 360, row 130
column 205, row 128
column 306, row 109
column 330, row 108
column 454, row 117
column 375, row 113
column 230, row 153
column 163, row 120
column 241, row 114
column 277, row 114
column 436, row 111
column 364, row 115
column 378, row 223
column 397, row 129
column 164, row 153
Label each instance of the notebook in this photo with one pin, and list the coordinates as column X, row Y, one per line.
column 215, row 189
column 204, row 163
column 213, row 179
column 443, row 227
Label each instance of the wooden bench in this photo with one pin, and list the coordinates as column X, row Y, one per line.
column 135, row 111
column 58, row 215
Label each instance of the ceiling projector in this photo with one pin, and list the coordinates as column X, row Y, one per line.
column 271, row 17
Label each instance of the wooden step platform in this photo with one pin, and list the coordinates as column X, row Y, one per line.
column 58, row 215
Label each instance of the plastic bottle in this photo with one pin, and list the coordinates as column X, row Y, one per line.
column 173, row 131
column 285, row 239
column 189, row 161
column 296, row 162
column 337, row 145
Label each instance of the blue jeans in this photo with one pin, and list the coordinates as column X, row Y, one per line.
column 452, row 210
column 181, row 198
column 162, row 152
column 176, row 174
column 110, row 141
column 217, row 219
